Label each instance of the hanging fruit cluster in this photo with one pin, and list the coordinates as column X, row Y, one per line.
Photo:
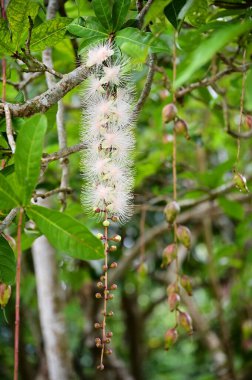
column 181, row 235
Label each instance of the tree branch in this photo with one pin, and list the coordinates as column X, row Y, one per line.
column 8, row 219
column 43, row 102
column 62, row 153
column 147, row 87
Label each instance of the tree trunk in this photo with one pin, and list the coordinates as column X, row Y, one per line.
column 50, row 310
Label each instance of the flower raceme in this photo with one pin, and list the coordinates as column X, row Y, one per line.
column 108, row 118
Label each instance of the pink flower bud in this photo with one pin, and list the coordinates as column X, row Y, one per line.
column 171, row 337
column 173, row 301
column 169, row 254
column 171, row 211
column 184, row 236
column 181, row 128
column 169, row 112
column 185, row 321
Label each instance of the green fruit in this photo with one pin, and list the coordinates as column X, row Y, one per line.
column 185, row 321
column 171, row 211
column 240, row 182
column 184, row 236
column 5, row 293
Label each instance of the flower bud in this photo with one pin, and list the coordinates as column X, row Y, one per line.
column 106, row 223
column 108, row 351
column 99, row 236
column 97, row 210
column 173, row 301
column 169, row 254
column 113, row 265
column 109, row 334
column 112, row 248
column 105, row 268
column 184, row 236
column 110, row 314
column 100, row 285
column 185, row 321
column 240, row 182
column 172, row 288
column 114, row 218
column 117, row 238
column 5, row 293
column 98, row 342
column 98, row 295
column 181, row 128
column 113, row 287
column 186, row 284
column 110, row 296
column 171, row 211
column 171, row 337
column 169, row 112
column 107, row 340
column 97, row 325
column 102, row 278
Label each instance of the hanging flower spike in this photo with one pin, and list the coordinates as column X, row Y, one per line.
column 108, row 116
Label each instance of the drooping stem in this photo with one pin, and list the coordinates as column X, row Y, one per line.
column 17, row 307
column 241, row 106
column 105, row 292
column 174, row 157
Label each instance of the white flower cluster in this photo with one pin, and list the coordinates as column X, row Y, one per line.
column 108, row 118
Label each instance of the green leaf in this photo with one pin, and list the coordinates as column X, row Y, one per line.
column 103, row 12
column 198, row 12
column 232, row 208
column 8, row 199
column 172, row 11
column 6, row 46
column 137, row 43
column 18, row 12
column 7, row 262
column 155, row 10
column 119, row 13
column 91, row 32
column 205, row 51
column 28, row 155
column 133, row 36
column 66, row 233
column 49, row 33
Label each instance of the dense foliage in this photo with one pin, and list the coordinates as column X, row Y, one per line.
column 196, row 53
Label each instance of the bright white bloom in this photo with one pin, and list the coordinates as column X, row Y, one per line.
column 108, row 117
column 112, row 75
column 93, row 87
column 98, row 54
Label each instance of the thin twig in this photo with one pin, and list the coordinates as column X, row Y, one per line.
column 62, row 137
column 66, row 190
column 147, row 86
column 17, row 308
column 63, row 153
column 8, row 219
column 9, row 130
column 241, row 106
column 43, row 102
column 143, row 12
column 208, row 81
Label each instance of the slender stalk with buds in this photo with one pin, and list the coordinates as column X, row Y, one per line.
column 108, row 118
